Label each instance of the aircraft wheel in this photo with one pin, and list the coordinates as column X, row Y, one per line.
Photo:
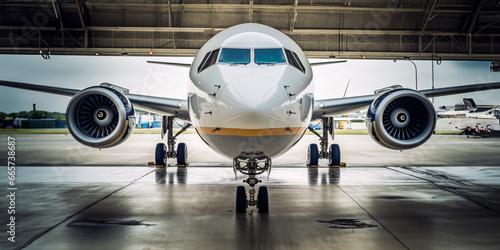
column 334, row 155
column 241, row 199
column 182, row 155
column 263, row 200
column 160, row 159
column 312, row 155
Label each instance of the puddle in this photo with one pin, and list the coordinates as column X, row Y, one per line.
column 347, row 224
column 391, row 197
column 94, row 222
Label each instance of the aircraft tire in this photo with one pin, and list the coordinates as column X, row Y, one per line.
column 241, row 199
column 182, row 156
column 160, row 154
column 263, row 200
column 334, row 155
column 312, row 155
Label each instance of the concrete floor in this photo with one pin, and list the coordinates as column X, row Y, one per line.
column 357, row 150
column 383, row 200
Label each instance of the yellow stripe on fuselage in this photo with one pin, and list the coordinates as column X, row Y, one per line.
column 250, row 132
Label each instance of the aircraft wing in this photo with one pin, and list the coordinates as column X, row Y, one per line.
column 159, row 105
column 338, row 106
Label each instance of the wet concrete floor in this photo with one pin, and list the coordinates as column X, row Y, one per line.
column 357, row 150
column 193, row 208
column 389, row 206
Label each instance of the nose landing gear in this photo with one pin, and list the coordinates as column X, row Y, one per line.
column 252, row 164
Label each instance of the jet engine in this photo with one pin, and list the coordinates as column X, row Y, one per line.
column 401, row 119
column 100, row 116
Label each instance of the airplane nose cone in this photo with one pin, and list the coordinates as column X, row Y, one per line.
column 250, row 103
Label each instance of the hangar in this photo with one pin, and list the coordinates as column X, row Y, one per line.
column 68, row 200
column 381, row 29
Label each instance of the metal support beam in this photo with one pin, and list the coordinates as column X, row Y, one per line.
column 420, row 44
column 288, row 32
column 469, row 43
column 428, row 16
column 57, row 12
column 81, row 12
column 475, row 14
column 86, row 39
column 294, row 14
column 310, row 54
column 250, row 12
column 170, row 22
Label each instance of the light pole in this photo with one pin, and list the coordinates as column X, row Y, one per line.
column 416, row 72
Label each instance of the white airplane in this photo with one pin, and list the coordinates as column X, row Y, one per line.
column 251, row 100
column 470, row 111
column 488, row 114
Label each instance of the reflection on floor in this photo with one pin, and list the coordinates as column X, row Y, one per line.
column 322, row 208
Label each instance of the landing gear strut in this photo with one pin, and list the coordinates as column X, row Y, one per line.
column 163, row 152
column 252, row 164
column 331, row 153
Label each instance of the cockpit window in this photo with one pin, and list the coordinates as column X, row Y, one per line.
column 293, row 59
column 209, row 59
column 269, row 56
column 235, row 56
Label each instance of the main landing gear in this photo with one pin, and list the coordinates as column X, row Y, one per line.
column 163, row 152
column 252, row 164
column 331, row 153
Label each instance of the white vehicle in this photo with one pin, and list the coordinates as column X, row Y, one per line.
column 251, row 100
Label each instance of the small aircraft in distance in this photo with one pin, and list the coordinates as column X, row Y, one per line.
column 250, row 99
column 470, row 110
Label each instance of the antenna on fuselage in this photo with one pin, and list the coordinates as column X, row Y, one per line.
column 346, row 87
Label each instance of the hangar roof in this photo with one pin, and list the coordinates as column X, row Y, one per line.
column 416, row 29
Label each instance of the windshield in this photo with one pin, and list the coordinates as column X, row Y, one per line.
column 269, row 56
column 497, row 113
column 235, row 56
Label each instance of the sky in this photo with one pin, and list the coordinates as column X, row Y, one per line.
column 135, row 73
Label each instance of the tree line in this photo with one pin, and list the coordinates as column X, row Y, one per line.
column 36, row 114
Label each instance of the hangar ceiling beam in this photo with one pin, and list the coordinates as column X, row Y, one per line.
column 57, row 13
column 466, row 29
column 80, row 12
column 294, row 32
column 293, row 15
column 250, row 11
column 473, row 17
column 310, row 54
column 428, row 16
column 243, row 7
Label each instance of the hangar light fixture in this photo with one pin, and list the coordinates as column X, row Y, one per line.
column 495, row 66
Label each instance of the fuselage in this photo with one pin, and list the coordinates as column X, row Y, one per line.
column 251, row 91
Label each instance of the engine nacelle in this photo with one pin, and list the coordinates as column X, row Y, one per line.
column 401, row 119
column 100, row 117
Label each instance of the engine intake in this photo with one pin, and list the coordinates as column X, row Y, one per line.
column 100, row 117
column 401, row 119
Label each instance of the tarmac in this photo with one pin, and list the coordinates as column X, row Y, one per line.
column 442, row 195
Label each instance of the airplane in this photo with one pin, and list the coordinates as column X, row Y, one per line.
column 250, row 99
column 470, row 110
column 489, row 114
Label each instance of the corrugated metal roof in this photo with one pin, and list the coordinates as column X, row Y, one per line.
column 345, row 28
